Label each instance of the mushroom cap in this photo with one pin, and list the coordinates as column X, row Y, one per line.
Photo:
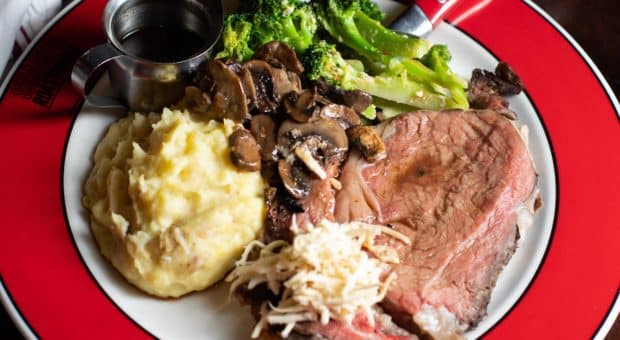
column 285, row 82
column 261, row 73
column 355, row 99
column 329, row 139
column 296, row 181
column 278, row 81
column 344, row 115
column 194, row 101
column 300, row 106
column 232, row 100
column 246, row 82
column 244, row 151
column 368, row 142
column 263, row 129
column 284, row 55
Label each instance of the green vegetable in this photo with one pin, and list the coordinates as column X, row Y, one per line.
column 369, row 7
column 437, row 59
column 322, row 60
column 370, row 112
column 403, row 71
column 356, row 23
column 390, row 109
column 393, row 55
column 290, row 21
column 236, row 36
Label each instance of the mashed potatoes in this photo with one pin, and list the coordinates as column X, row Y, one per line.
column 167, row 207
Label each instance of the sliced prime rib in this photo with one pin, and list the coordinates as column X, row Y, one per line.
column 360, row 329
column 451, row 182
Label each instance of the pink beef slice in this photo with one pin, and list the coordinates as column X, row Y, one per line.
column 360, row 329
column 451, row 182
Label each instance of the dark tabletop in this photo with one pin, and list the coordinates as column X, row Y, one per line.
column 596, row 27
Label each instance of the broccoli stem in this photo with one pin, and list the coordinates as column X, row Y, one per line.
column 459, row 97
column 324, row 20
column 388, row 41
column 418, row 71
column 451, row 82
column 397, row 89
column 290, row 35
column 390, row 109
column 322, row 60
column 303, row 23
column 343, row 28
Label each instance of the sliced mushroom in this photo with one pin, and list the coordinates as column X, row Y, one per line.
column 276, row 81
column 324, row 138
column 244, row 151
column 194, row 101
column 356, row 99
column 301, row 106
column 276, row 50
column 284, row 83
column 218, row 103
column 322, row 101
column 248, row 87
column 263, row 129
column 228, row 86
column 206, row 84
column 344, row 115
column 367, row 141
column 295, row 180
column 328, row 91
column 311, row 147
column 261, row 76
column 246, row 82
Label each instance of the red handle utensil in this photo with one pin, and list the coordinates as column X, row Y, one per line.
column 422, row 16
column 435, row 10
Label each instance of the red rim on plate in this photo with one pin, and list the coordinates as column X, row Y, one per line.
column 49, row 292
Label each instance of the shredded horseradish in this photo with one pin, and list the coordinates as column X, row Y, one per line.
column 327, row 273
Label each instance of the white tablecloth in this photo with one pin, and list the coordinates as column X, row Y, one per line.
column 20, row 22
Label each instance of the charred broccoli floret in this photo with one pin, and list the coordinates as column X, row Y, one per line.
column 292, row 22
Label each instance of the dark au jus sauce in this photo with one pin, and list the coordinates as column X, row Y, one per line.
column 163, row 44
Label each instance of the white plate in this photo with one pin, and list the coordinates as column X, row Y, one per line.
column 206, row 314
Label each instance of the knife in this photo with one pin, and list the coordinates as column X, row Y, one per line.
column 421, row 17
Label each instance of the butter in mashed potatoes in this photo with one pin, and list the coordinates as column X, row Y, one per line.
column 167, row 206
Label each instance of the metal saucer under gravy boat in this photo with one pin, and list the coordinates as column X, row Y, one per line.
column 154, row 49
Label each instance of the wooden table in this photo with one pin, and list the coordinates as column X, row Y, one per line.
column 596, row 27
